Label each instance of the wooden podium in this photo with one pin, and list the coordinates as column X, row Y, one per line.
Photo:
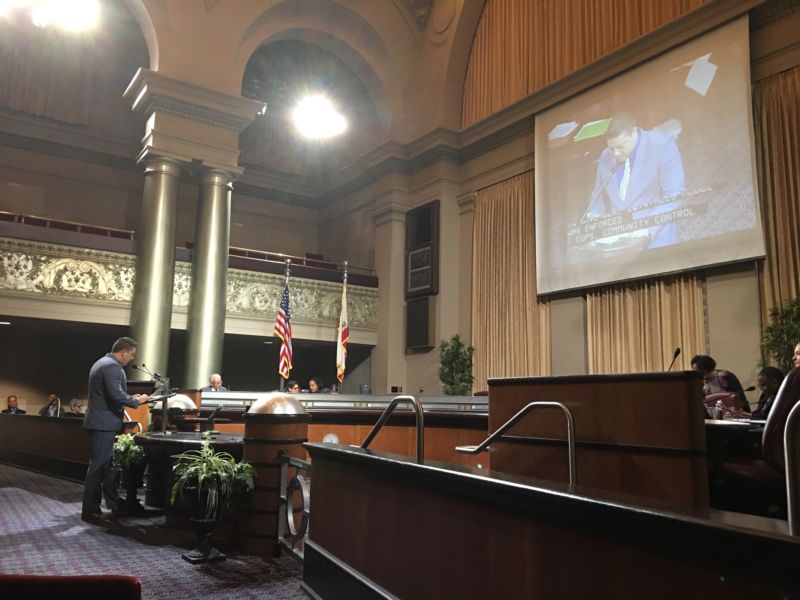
column 140, row 414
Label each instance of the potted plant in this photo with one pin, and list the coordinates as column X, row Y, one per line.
column 455, row 370
column 209, row 479
column 782, row 334
column 129, row 462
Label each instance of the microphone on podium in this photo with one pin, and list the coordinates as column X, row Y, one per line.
column 143, row 368
column 675, row 356
column 749, row 389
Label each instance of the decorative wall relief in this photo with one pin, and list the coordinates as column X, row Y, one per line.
column 64, row 272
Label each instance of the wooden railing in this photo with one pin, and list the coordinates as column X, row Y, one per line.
column 310, row 260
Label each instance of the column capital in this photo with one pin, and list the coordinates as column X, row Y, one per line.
column 155, row 164
column 389, row 212
column 466, row 203
column 182, row 118
column 219, row 177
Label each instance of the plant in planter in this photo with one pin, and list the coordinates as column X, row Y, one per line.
column 782, row 334
column 209, row 479
column 129, row 462
column 455, row 370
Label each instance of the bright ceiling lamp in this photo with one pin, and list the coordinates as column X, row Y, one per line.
column 316, row 118
column 69, row 15
column 6, row 6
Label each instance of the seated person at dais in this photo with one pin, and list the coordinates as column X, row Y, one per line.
column 769, row 382
column 717, row 381
column 52, row 408
column 12, row 409
column 315, row 386
column 74, row 412
column 215, row 384
column 292, row 387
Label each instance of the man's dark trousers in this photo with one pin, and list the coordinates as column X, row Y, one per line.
column 100, row 475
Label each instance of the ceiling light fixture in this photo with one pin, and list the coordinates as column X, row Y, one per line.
column 316, row 118
column 69, row 15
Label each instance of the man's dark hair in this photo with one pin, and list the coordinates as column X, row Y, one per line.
column 621, row 123
column 773, row 373
column 123, row 343
column 291, row 383
column 704, row 363
column 317, row 379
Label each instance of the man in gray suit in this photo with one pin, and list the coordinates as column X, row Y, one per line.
column 214, row 384
column 108, row 398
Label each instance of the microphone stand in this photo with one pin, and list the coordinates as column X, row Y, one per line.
column 163, row 385
column 599, row 190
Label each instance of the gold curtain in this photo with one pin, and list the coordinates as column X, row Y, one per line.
column 776, row 107
column 522, row 45
column 45, row 72
column 510, row 327
column 637, row 326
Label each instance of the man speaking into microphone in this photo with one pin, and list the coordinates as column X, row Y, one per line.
column 108, row 398
column 638, row 171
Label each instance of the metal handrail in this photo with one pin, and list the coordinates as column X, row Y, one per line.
column 791, row 449
column 420, row 425
column 516, row 418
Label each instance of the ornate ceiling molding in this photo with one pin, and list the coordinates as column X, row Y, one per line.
column 421, row 10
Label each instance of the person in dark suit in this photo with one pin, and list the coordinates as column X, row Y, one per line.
column 639, row 171
column 214, row 384
column 108, row 398
column 12, row 409
column 74, row 411
column 769, row 381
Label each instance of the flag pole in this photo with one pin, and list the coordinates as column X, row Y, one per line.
column 286, row 284
column 342, row 331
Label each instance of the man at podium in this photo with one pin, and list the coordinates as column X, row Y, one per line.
column 107, row 401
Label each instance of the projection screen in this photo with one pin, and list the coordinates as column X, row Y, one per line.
column 651, row 172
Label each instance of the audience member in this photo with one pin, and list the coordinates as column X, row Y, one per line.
column 12, row 409
column 769, row 382
column 716, row 381
column 74, row 412
column 292, row 387
column 215, row 384
column 52, row 408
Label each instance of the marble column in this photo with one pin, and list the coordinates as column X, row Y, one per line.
column 151, row 306
column 388, row 356
column 206, row 320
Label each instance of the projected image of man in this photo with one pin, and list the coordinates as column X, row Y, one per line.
column 638, row 171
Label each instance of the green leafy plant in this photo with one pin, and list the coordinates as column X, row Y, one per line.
column 782, row 334
column 214, row 476
column 128, row 455
column 455, row 369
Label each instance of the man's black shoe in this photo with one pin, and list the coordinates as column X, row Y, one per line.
column 97, row 518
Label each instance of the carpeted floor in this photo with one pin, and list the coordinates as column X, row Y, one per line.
column 41, row 533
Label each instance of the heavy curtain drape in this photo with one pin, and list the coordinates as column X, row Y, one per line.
column 511, row 328
column 776, row 108
column 522, row 45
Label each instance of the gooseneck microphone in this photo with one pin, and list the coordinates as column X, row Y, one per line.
column 143, row 368
column 675, row 356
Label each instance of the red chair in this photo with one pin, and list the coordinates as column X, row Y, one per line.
column 86, row 587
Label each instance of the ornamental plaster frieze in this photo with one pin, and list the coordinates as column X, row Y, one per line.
column 67, row 273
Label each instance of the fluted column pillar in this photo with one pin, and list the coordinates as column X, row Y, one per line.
column 151, row 306
column 206, row 320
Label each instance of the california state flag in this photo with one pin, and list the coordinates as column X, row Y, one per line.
column 343, row 334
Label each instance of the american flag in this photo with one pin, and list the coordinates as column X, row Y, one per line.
column 283, row 329
column 343, row 334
